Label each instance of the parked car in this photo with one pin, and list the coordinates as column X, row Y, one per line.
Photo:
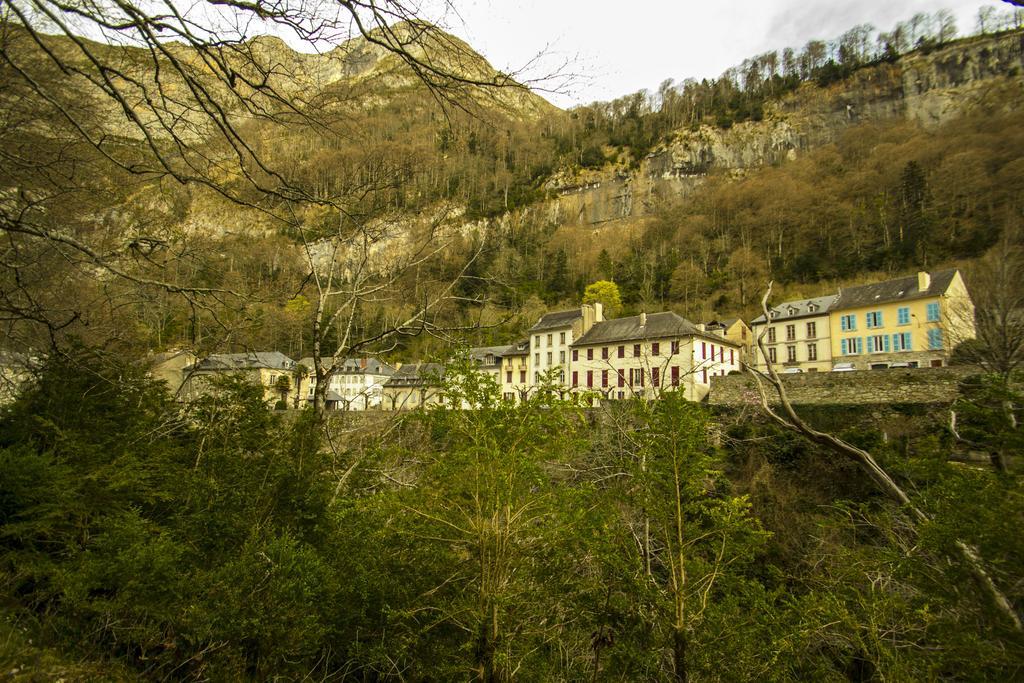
column 843, row 367
column 792, row 371
column 901, row 364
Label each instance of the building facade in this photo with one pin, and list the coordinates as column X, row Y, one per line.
column 355, row 384
column 414, row 385
column 916, row 320
column 798, row 336
column 644, row 355
column 515, row 371
column 551, row 339
column 271, row 370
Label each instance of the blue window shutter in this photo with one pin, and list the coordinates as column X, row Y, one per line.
column 871, row 344
column 843, row 343
column 885, row 341
column 842, row 326
column 907, row 345
column 878, row 319
column 860, row 344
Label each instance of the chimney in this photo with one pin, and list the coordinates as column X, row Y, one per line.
column 643, row 319
column 701, row 327
column 924, row 281
column 362, row 362
column 598, row 312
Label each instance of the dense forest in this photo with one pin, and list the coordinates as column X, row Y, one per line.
column 647, row 541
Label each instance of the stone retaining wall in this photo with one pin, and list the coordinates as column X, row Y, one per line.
column 864, row 387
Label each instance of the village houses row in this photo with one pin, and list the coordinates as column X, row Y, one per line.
column 907, row 322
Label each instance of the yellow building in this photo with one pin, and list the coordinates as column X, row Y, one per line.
column 515, row 371
column 915, row 320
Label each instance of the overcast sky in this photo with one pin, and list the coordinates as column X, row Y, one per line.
column 620, row 47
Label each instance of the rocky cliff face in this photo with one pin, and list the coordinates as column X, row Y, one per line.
column 929, row 89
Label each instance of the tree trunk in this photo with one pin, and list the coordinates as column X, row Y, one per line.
column 679, row 655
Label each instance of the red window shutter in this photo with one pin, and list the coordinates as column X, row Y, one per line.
column 604, row 353
column 655, row 377
column 675, row 375
column 655, row 348
column 604, row 378
column 575, row 354
column 622, row 378
column 590, row 354
column 622, row 352
column 522, row 376
column 704, row 375
column 590, row 378
column 640, row 374
column 636, row 350
column 704, row 350
column 575, row 378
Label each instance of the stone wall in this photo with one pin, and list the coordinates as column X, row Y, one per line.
column 865, row 387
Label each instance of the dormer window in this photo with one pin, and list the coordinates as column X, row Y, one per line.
column 775, row 314
column 812, row 307
column 792, row 310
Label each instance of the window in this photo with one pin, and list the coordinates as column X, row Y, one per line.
column 590, row 378
column 934, row 338
column 812, row 351
column 873, row 319
column 852, row 346
column 771, row 335
column 536, row 359
column 675, row 347
column 622, row 352
column 903, row 315
column 536, row 342
column 549, row 358
column 590, row 354
column 933, row 313
column 604, row 353
column 604, row 378
column 561, row 376
column 675, row 375
column 536, row 377
column 655, row 377
column 622, row 378
column 620, row 395
column 771, row 356
column 878, row 343
column 522, row 376
column 561, row 357
column 847, row 322
column 561, row 337
column 508, row 377
column 655, row 348
column 549, row 340
column 790, row 332
column 901, row 341
column 636, row 350
column 575, row 355
column 790, row 354
column 575, row 378
column 812, row 330
column 636, row 377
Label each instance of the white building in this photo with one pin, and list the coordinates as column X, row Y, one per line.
column 552, row 337
column 643, row 355
column 355, row 384
column 515, row 371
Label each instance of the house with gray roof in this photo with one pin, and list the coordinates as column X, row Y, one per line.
column 272, row 370
column 353, row 383
column 798, row 336
column 551, row 337
column 644, row 355
column 414, row 385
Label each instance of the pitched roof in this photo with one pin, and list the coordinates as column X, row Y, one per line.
column 801, row 308
column 550, row 321
column 520, row 348
column 900, row 289
column 658, row 325
column 480, row 353
column 354, row 366
column 416, row 374
column 227, row 362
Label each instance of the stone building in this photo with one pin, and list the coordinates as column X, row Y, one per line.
column 799, row 335
column 553, row 335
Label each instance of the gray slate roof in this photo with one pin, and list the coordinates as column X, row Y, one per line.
column 520, row 348
column 355, row 366
column 901, row 289
column 556, row 319
column 659, row 325
column 479, row 354
column 416, row 374
column 801, row 308
column 228, row 362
